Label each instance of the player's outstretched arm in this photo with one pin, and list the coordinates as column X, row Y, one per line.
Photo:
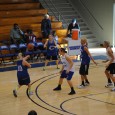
column 89, row 54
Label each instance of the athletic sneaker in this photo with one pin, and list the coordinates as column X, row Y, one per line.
column 87, row 84
column 113, row 89
column 57, row 89
column 81, row 86
column 72, row 93
column 109, row 85
column 15, row 93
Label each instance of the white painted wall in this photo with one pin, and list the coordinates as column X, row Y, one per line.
column 102, row 11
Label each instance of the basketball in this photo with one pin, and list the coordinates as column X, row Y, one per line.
column 30, row 46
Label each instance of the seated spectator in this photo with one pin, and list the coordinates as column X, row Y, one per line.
column 16, row 35
column 30, row 37
column 32, row 112
column 46, row 26
column 72, row 25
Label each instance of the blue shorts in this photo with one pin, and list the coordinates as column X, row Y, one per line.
column 23, row 79
column 67, row 76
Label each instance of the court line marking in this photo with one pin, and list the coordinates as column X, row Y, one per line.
column 36, row 102
column 61, row 105
column 46, row 102
column 99, row 100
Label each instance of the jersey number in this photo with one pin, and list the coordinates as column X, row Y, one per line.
column 20, row 68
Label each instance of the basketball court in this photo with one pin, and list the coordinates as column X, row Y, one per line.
column 92, row 100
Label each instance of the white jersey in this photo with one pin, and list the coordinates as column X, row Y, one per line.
column 66, row 64
column 108, row 56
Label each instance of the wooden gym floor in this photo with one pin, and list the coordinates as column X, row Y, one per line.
column 92, row 100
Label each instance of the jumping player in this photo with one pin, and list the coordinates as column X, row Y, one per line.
column 22, row 74
column 67, row 71
column 110, row 67
column 85, row 61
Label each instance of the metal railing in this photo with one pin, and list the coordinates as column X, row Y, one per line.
column 59, row 17
column 47, row 5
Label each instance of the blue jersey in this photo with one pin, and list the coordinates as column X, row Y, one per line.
column 22, row 71
column 84, row 56
column 51, row 50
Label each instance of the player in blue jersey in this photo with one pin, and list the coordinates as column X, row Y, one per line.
column 85, row 61
column 22, row 73
column 52, row 52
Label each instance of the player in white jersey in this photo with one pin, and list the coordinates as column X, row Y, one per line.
column 67, row 71
column 110, row 67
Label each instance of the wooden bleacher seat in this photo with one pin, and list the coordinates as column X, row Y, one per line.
column 61, row 33
column 14, row 1
column 28, row 15
column 22, row 20
column 34, row 27
column 22, row 13
column 19, row 6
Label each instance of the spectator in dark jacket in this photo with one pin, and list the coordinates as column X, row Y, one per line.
column 46, row 26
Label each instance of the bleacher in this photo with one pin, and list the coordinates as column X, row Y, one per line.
column 28, row 15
